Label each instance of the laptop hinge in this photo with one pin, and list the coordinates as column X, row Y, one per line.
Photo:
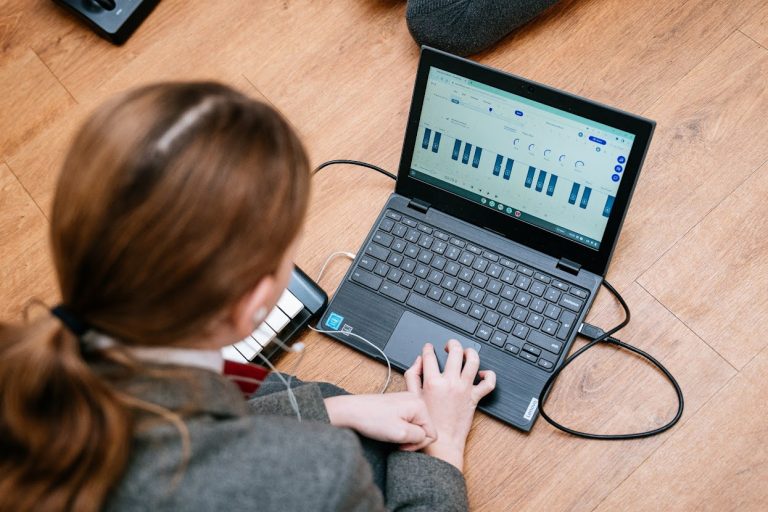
column 419, row 205
column 569, row 266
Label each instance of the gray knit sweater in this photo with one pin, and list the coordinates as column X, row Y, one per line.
column 255, row 455
column 465, row 27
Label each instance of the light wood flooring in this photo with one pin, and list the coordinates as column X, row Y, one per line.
column 692, row 260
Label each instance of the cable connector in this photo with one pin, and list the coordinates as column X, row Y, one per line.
column 590, row 331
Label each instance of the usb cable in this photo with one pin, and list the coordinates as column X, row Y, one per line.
column 597, row 335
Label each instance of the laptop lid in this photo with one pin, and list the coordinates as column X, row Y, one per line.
column 540, row 166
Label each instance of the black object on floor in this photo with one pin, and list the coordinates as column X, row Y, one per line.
column 114, row 20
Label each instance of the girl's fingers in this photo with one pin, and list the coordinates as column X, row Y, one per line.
column 429, row 361
column 455, row 357
column 471, row 365
column 413, row 376
column 421, row 419
column 419, row 415
column 411, row 435
column 485, row 386
column 416, row 447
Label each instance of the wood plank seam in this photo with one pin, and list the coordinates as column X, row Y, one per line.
column 26, row 191
column 54, row 75
column 751, row 39
column 258, row 91
column 269, row 100
column 693, row 226
column 685, row 324
column 663, row 94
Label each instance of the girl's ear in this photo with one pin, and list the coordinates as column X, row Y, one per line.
column 254, row 306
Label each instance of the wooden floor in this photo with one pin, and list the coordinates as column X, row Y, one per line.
column 692, row 260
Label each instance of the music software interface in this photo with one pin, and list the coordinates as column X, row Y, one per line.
column 541, row 165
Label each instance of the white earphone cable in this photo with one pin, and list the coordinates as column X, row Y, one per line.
column 345, row 333
column 332, row 257
column 291, row 396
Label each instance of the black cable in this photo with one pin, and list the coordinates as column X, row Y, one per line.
column 597, row 335
column 354, row 162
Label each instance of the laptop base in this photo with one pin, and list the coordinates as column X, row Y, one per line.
column 400, row 330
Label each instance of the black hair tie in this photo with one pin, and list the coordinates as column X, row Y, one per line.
column 71, row 321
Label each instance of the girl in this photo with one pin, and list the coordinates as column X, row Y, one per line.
column 173, row 231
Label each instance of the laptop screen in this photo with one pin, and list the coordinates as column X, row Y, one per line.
column 536, row 163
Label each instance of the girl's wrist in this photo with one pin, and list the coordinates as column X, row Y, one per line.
column 336, row 407
column 452, row 453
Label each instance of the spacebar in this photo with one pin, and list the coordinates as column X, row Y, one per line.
column 430, row 307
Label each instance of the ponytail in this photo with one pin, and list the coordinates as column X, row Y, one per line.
column 64, row 433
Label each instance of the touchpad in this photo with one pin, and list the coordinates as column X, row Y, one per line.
column 412, row 332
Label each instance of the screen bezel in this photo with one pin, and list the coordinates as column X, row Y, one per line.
column 537, row 238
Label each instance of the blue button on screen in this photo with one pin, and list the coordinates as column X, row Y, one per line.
column 519, row 113
column 618, row 168
column 621, row 159
column 597, row 139
column 615, row 177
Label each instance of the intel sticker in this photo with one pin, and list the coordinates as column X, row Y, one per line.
column 334, row 321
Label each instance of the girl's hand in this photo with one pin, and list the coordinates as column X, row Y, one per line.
column 451, row 396
column 400, row 418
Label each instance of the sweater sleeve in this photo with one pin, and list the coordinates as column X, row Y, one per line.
column 415, row 482
column 308, row 397
column 357, row 491
column 419, row 482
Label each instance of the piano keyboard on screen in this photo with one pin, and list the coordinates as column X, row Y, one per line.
column 298, row 304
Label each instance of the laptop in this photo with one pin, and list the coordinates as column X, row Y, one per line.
column 509, row 200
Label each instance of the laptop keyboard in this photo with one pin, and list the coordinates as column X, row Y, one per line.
column 499, row 301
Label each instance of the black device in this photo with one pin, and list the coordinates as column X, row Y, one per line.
column 509, row 200
column 114, row 20
column 299, row 304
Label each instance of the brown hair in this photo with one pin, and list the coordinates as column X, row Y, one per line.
column 175, row 199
